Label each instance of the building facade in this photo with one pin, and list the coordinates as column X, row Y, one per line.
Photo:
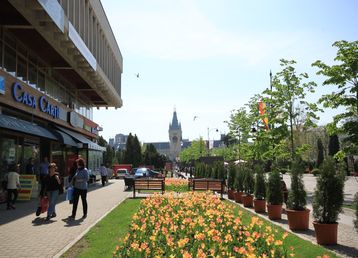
column 175, row 137
column 58, row 61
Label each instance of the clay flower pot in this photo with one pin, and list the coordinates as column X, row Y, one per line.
column 238, row 197
column 260, row 206
column 230, row 194
column 247, row 200
column 326, row 234
column 274, row 211
column 298, row 220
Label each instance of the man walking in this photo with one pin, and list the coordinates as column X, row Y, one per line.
column 13, row 182
column 104, row 173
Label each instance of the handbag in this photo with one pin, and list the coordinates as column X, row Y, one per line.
column 69, row 194
column 44, row 204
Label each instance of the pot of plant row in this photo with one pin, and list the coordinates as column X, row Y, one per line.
column 297, row 213
column 231, row 181
column 328, row 200
column 238, row 184
column 274, row 196
column 248, row 183
column 259, row 190
column 238, row 196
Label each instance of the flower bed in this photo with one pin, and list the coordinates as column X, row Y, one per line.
column 196, row 225
column 176, row 184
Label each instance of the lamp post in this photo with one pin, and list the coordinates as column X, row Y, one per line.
column 239, row 134
column 209, row 130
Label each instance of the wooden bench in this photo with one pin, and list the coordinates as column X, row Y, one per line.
column 209, row 184
column 149, row 184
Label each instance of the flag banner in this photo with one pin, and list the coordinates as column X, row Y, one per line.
column 263, row 113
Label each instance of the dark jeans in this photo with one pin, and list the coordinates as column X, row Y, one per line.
column 76, row 195
column 104, row 180
column 10, row 199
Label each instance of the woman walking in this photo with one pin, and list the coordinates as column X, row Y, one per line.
column 52, row 186
column 79, row 181
column 13, row 183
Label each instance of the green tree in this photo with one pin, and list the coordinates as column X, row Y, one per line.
column 101, row 141
column 333, row 145
column 297, row 195
column 132, row 154
column 320, row 155
column 344, row 75
column 137, row 152
column 128, row 153
column 194, row 152
column 108, row 158
column 289, row 87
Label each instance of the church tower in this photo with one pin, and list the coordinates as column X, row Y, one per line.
column 175, row 137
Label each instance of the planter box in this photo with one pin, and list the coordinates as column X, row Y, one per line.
column 274, row 211
column 260, row 206
column 298, row 220
column 247, row 200
column 326, row 234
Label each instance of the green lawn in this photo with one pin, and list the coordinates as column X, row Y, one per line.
column 102, row 239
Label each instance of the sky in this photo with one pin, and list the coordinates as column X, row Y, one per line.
column 206, row 58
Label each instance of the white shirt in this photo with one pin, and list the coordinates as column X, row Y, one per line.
column 13, row 180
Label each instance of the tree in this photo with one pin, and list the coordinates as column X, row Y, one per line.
column 128, row 153
column 333, row 146
column 194, row 152
column 101, row 141
column 137, row 152
column 108, row 156
column 132, row 154
column 289, row 87
column 344, row 75
column 320, row 155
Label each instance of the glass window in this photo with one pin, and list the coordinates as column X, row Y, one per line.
column 41, row 80
column 10, row 60
column 21, row 68
column 1, row 53
column 32, row 75
column 7, row 154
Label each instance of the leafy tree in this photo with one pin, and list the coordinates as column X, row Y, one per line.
column 108, row 158
column 274, row 191
column 101, row 141
column 137, row 152
column 320, row 155
column 194, row 152
column 333, row 146
column 289, row 87
column 232, row 174
column 249, row 182
column 344, row 75
column 297, row 194
column 132, row 154
column 260, row 183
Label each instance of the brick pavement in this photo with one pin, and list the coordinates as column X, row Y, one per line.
column 25, row 235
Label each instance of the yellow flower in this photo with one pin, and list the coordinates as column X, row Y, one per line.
column 278, row 242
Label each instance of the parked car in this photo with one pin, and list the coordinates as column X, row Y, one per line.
column 121, row 173
column 94, row 176
column 146, row 172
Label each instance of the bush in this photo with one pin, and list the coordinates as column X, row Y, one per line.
column 239, row 180
column 297, row 195
column 274, row 191
column 328, row 196
column 248, row 182
column 232, row 174
column 260, row 183
column 355, row 206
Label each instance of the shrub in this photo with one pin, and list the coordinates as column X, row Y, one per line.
column 274, row 190
column 328, row 196
column 315, row 171
column 297, row 195
column 260, row 183
column 248, row 182
column 232, row 174
column 239, row 180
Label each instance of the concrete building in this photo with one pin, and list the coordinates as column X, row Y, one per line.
column 58, row 61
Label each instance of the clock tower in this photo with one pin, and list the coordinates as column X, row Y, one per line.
column 175, row 137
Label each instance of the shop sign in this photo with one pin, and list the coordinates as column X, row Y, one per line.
column 27, row 99
column 2, row 85
column 75, row 120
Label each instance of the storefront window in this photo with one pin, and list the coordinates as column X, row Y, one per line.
column 32, row 75
column 31, row 156
column 10, row 60
column 21, row 69
column 94, row 159
column 58, row 157
column 7, row 154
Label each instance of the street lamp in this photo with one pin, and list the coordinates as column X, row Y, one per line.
column 209, row 130
column 239, row 134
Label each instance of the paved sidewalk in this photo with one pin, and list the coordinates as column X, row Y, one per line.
column 25, row 235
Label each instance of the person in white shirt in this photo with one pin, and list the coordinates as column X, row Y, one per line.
column 13, row 183
column 104, row 173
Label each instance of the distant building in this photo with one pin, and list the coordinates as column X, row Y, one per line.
column 111, row 142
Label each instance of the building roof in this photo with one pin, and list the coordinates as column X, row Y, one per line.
column 175, row 125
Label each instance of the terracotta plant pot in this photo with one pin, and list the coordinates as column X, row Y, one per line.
column 238, row 197
column 260, row 206
column 298, row 220
column 326, row 234
column 247, row 200
column 230, row 194
column 274, row 211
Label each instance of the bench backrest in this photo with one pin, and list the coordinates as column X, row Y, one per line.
column 207, row 184
column 149, row 184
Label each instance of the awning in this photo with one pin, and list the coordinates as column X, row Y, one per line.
column 12, row 123
column 65, row 138
column 81, row 139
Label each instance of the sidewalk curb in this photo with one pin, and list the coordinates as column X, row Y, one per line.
column 74, row 241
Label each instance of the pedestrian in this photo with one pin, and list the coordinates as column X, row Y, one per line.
column 13, row 183
column 30, row 169
column 52, row 188
column 43, row 167
column 79, row 181
column 104, row 173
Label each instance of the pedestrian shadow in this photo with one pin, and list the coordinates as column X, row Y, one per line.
column 41, row 221
column 72, row 222
column 343, row 250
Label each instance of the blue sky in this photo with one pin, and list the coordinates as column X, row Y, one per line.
column 208, row 57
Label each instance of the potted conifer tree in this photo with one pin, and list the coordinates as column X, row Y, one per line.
column 327, row 201
column 231, row 181
column 274, row 196
column 297, row 213
column 249, row 183
column 260, row 190
column 239, row 185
